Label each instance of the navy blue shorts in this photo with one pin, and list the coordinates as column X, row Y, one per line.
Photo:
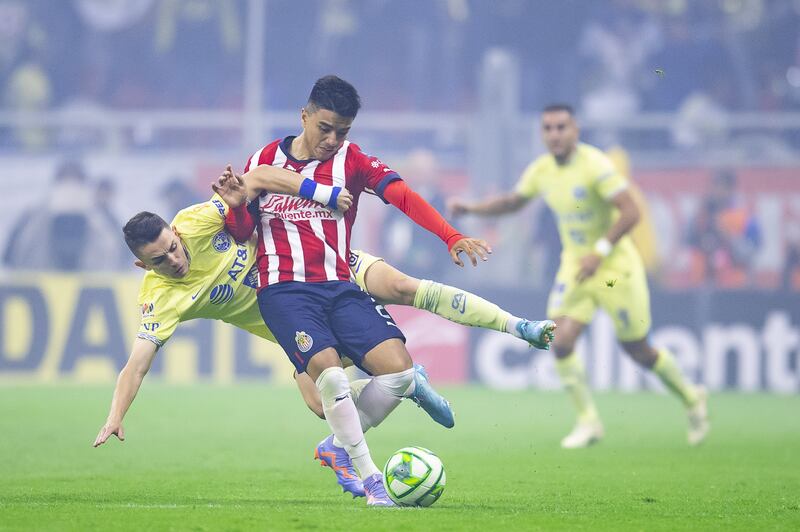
column 309, row 317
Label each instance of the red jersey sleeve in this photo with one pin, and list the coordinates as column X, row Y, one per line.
column 240, row 222
column 424, row 215
column 371, row 172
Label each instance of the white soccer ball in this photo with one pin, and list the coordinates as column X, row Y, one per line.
column 414, row 476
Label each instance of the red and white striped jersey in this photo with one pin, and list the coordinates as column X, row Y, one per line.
column 300, row 239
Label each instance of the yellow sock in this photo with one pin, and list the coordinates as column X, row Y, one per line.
column 460, row 306
column 670, row 374
column 573, row 377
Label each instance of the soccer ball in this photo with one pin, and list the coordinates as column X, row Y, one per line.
column 414, row 476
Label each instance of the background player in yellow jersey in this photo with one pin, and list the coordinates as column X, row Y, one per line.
column 600, row 266
column 196, row 270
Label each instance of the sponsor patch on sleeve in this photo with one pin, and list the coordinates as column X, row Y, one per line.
column 220, row 207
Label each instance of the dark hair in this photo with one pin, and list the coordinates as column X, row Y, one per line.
column 555, row 107
column 142, row 229
column 335, row 94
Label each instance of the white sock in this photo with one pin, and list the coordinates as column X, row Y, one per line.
column 342, row 416
column 511, row 326
column 356, row 387
column 382, row 395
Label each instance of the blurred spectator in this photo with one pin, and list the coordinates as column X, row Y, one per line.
column 178, row 195
column 105, row 195
column 616, row 45
column 29, row 89
column 53, row 234
column 412, row 249
column 106, row 16
column 791, row 270
column 702, row 118
column 17, row 32
column 87, row 106
column 69, row 208
column 724, row 236
column 67, row 232
column 199, row 43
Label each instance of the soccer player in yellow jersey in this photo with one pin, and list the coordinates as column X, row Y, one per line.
column 600, row 266
column 196, row 270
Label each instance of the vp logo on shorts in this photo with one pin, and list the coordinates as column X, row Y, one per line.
column 304, row 341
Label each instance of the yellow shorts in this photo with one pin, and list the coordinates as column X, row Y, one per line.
column 619, row 289
column 360, row 262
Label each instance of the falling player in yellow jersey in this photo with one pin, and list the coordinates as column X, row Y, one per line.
column 196, row 270
column 600, row 266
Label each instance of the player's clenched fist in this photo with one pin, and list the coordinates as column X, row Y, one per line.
column 473, row 247
column 344, row 201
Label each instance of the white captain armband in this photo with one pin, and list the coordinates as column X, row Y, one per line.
column 603, row 247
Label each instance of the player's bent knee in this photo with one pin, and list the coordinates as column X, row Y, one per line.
column 390, row 356
column 641, row 352
column 396, row 384
column 333, row 386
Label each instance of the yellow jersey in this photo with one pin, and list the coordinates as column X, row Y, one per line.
column 220, row 284
column 579, row 192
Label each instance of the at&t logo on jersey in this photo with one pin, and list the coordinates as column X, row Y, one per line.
column 221, row 242
column 239, row 262
column 221, row 294
column 304, row 341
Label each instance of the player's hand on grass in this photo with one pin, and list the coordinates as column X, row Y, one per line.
column 231, row 188
column 457, row 207
column 107, row 431
column 589, row 265
column 473, row 247
column 344, row 200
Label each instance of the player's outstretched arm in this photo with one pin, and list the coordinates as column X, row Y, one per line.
column 504, row 204
column 423, row 214
column 128, row 383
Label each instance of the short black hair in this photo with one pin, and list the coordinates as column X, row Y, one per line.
column 555, row 107
column 142, row 229
column 334, row 94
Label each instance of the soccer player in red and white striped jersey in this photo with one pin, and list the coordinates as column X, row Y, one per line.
column 305, row 294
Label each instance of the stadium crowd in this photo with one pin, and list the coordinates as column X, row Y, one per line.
column 172, row 54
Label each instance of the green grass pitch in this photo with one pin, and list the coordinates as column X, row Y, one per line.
column 240, row 458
